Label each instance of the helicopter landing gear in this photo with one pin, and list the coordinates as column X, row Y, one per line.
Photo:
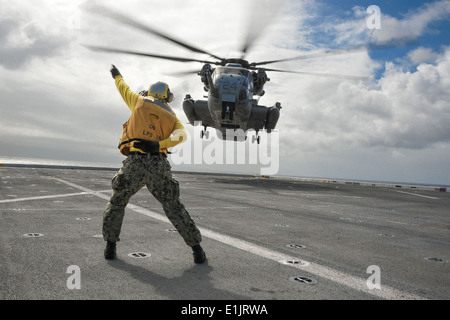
column 204, row 134
column 256, row 138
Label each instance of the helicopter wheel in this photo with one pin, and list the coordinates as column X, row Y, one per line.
column 256, row 138
column 205, row 134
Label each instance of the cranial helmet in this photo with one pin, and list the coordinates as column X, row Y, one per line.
column 160, row 90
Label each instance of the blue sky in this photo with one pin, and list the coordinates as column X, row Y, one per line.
column 435, row 36
column 391, row 128
column 438, row 34
column 395, row 8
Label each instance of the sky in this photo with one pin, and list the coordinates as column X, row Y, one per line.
column 59, row 102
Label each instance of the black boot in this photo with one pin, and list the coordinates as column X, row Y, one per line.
column 199, row 254
column 110, row 250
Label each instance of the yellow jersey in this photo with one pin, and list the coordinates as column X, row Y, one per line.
column 151, row 119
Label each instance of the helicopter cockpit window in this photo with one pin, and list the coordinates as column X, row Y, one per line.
column 219, row 71
column 249, row 82
column 232, row 70
column 244, row 92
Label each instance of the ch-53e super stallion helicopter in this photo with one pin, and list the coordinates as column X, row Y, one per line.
column 232, row 85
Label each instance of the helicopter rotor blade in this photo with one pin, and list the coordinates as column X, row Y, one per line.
column 184, row 73
column 259, row 20
column 395, row 43
column 179, row 59
column 120, row 18
column 327, row 75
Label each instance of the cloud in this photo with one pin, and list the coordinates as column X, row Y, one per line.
column 59, row 100
column 421, row 104
column 23, row 38
column 422, row 55
column 415, row 23
column 409, row 110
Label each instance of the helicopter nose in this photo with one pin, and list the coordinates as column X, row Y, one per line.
column 227, row 97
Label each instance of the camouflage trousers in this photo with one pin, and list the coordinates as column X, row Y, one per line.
column 155, row 173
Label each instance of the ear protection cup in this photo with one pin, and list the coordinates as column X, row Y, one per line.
column 170, row 96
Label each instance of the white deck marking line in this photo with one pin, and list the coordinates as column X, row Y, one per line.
column 353, row 282
column 53, row 196
column 44, row 197
column 202, row 208
column 417, row 195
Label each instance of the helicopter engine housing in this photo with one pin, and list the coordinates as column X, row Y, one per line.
column 197, row 110
column 273, row 114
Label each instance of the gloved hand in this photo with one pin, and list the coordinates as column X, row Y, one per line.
column 115, row 72
column 147, row 146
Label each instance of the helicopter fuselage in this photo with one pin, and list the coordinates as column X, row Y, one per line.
column 230, row 105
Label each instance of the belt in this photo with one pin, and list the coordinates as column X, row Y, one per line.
column 145, row 154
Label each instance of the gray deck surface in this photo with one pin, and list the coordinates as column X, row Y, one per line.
column 263, row 239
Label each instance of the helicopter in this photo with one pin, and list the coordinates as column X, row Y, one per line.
column 234, row 85
column 231, row 105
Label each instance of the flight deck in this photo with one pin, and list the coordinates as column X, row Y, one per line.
column 265, row 239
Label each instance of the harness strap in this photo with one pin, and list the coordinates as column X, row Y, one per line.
column 129, row 140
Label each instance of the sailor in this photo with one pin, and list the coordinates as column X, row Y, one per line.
column 151, row 129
